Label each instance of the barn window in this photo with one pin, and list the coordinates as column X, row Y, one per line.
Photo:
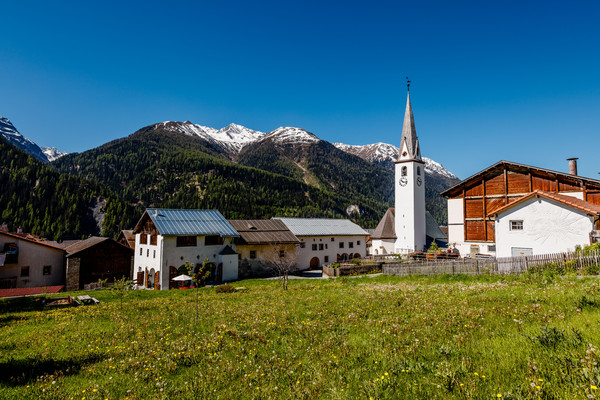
column 252, row 253
column 213, row 240
column 186, row 241
column 281, row 253
column 24, row 271
column 153, row 240
column 516, row 225
column 47, row 269
column 404, row 171
column 418, row 170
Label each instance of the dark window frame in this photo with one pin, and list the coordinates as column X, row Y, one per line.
column 186, row 241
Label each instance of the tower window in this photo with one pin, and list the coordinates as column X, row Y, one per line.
column 404, row 171
column 418, row 170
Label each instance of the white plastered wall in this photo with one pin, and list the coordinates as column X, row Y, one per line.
column 330, row 249
column 548, row 227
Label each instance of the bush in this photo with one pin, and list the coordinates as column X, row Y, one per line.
column 225, row 288
column 336, row 265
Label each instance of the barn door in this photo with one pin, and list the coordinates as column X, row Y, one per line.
column 140, row 278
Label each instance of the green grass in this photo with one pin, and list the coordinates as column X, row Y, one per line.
column 445, row 337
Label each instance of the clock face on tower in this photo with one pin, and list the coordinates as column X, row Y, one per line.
column 403, row 181
column 419, row 181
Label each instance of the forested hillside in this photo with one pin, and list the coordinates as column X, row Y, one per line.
column 54, row 205
column 161, row 168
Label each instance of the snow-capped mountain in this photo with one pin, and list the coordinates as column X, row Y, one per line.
column 52, row 153
column 291, row 135
column 386, row 154
column 231, row 138
column 12, row 136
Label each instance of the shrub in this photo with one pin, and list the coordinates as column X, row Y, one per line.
column 225, row 288
column 355, row 261
column 336, row 265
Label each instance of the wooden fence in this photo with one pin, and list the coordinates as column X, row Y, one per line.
column 574, row 261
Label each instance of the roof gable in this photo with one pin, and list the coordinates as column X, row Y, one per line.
column 172, row 222
column 26, row 239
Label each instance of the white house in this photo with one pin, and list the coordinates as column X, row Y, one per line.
column 325, row 241
column 166, row 239
column 26, row 262
column 542, row 223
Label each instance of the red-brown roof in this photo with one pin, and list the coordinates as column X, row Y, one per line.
column 570, row 201
column 17, row 292
column 28, row 238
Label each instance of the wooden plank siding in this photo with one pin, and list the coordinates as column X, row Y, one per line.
column 505, row 183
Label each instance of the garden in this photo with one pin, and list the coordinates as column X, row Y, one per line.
column 531, row 336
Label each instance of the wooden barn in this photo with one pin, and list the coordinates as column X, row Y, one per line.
column 472, row 203
column 97, row 258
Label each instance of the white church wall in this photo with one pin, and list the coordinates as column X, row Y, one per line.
column 410, row 207
column 548, row 227
column 382, row 246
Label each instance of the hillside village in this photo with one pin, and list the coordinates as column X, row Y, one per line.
column 508, row 210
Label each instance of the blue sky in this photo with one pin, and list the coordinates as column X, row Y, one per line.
column 491, row 80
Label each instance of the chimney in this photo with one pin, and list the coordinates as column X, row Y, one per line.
column 20, row 230
column 572, row 165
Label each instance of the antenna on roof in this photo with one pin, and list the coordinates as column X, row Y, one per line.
column 407, row 84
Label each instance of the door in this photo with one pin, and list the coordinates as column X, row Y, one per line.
column 314, row 263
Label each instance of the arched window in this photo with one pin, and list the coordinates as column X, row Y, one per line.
column 418, row 170
column 403, row 171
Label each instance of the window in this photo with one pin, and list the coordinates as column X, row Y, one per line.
column 341, row 245
column 491, row 247
column 326, row 245
column 148, row 253
column 24, row 271
column 418, row 170
column 333, row 239
column 252, row 253
column 516, row 225
column 281, row 253
column 358, row 242
column 320, row 246
column 141, row 251
column 186, row 241
column 302, row 245
column 153, row 240
column 213, row 240
column 351, row 245
column 143, row 238
column 153, row 253
column 314, row 246
column 326, row 259
column 47, row 270
column 404, row 171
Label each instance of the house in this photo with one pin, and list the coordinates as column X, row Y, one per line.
column 324, row 241
column 473, row 203
column 26, row 262
column 97, row 258
column 167, row 239
column 264, row 247
column 383, row 239
column 542, row 223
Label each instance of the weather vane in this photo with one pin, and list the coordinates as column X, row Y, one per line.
column 407, row 83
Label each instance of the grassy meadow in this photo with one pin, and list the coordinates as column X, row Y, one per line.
column 528, row 337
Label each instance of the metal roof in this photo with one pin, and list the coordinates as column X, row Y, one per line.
column 265, row 231
column 322, row 227
column 190, row 222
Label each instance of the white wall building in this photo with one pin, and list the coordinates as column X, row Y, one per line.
column 26, row 263
column 544, row 223
column 409, row 189
column 166, row 239
column 326, row 241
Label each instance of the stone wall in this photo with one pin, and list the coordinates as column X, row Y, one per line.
column 73, row 269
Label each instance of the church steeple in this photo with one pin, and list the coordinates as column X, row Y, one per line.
column 409, row 144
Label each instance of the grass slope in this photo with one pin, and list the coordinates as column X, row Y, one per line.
column 381, row 338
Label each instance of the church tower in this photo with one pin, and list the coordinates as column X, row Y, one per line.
column 409, row 188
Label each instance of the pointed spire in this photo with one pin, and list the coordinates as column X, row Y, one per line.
column 409, row 144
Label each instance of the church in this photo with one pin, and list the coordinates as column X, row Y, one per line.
column 407, row 227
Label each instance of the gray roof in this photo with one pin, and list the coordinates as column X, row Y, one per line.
column 189, row 222
column 433, row 229
column 322, row 227
column 409, row 134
